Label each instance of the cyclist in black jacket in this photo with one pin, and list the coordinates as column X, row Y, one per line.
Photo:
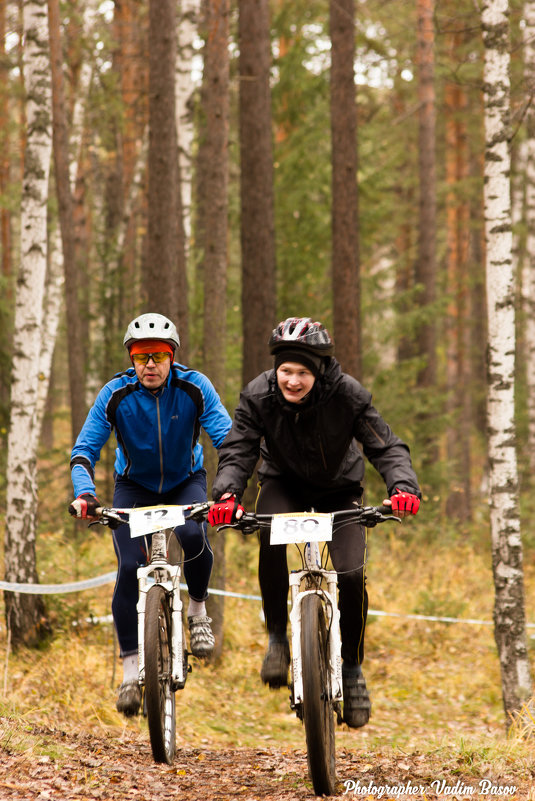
column 305, row 418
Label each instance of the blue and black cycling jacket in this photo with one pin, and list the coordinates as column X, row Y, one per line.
column 157, row 435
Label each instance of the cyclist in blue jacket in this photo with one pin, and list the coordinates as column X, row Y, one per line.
column 156, row 409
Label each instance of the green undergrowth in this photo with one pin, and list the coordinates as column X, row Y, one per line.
column 435, row 686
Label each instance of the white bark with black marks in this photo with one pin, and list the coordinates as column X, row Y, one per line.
column 509, row 610
column 23, row 612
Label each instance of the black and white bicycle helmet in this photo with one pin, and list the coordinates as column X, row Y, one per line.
column 151, row 326
column 301, row 333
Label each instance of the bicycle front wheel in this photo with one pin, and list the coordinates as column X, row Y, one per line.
column 159, row 693
column 318, row 715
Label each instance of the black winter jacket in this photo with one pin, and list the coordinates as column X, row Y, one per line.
column 314, row 443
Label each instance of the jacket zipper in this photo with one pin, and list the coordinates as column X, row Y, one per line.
column 159, row 443
column 322, row 453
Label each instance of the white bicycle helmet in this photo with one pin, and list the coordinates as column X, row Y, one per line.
column 301, row 333
column 151, row 326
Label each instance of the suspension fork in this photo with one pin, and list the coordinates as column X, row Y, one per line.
column 333, row 623
column 159, row 571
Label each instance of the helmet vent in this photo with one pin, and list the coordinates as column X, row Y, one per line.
column 152, row 326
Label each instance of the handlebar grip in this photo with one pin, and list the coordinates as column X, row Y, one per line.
column 385, row 510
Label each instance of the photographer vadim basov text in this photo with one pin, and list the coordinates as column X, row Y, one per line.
column 484, row 788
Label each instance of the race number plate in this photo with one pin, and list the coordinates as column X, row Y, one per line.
column 301, row 527
column 148, row 519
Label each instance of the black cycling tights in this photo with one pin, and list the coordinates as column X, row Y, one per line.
column 348, row 555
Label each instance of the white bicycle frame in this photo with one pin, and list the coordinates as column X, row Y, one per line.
column 313, row 564
column 159, row 571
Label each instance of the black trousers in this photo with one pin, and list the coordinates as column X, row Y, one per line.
column 348, row 554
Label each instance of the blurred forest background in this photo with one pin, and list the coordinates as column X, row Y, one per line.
column 210, row 160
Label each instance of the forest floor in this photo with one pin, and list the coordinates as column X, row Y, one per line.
column 437, row 729
column 81, row 766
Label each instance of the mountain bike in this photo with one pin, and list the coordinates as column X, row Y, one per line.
column 162, row 652
column 316, row 663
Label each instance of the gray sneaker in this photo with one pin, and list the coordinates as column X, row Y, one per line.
column 129, row 698
column 201, row 639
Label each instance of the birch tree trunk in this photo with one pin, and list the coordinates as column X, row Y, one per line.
column 52, row 304
column 184, row 90
column 55, row 279
column 5, row 215
column 509, row 610
column 24, row 612
column 528, row 272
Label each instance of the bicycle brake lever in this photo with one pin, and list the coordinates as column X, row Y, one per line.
column 390, row 517
column 244, row 528
column 371, row 517
column 198, row 512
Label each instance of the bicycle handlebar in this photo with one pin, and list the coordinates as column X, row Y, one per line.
column 367, row 516
column 249, row 522
column 112, row 517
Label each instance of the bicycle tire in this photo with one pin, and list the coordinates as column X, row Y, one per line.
column 159, row 692
column 318, row 713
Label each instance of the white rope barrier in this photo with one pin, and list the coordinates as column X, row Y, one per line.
column 109, row 578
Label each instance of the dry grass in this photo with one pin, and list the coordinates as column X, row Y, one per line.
column 435, row 687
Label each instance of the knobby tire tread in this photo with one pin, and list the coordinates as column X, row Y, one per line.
column 159, row 695
column 318, row 714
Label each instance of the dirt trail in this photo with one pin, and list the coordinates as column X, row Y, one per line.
column 86, row 766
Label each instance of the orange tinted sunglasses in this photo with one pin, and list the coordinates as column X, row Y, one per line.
column 157, row 358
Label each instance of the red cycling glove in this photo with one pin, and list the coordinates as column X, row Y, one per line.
column 224, row 511
column 405, row 502
column 84, row 506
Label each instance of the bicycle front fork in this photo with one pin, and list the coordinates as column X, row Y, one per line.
column 169, row 577
column 333, row 626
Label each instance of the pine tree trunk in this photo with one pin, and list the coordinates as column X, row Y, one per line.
column 24, row 612
column 256, row 185
column 75, row 345
column 509, row 609
column 345, row 242
column 458, row 503
column 130, row 59
column 165, row 268
column 425, row 271
column 215, row 156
